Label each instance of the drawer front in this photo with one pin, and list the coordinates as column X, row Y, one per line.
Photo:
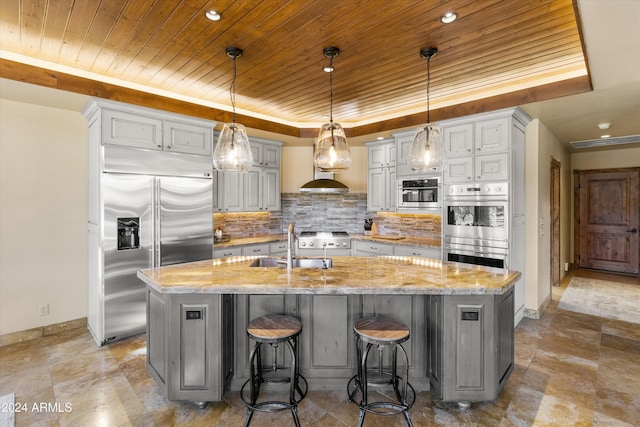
column 418, row 251
column 252, row 250
column 227, row 252
column 374, row 248
column 278, row 248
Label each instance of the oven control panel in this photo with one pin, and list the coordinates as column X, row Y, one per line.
column 473, row 190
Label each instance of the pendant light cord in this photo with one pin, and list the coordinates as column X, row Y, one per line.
column 331, row 90
column 428, row 88
column 232, row 91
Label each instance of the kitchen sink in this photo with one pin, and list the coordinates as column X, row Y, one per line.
column 323, row 263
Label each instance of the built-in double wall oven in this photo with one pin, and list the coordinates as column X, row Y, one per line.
column 476, row 224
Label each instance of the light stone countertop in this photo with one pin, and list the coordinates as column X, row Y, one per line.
column 349, row 275
column 432, row 243
column 252, row 240
column 269, row 238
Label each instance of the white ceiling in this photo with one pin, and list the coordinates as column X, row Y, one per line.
column 611, row 31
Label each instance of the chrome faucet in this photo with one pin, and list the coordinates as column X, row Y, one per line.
column 291, row 237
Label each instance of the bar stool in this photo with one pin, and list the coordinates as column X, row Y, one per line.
column 383, row 333
column 274, row 329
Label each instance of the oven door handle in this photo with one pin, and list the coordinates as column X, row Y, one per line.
column 480, row 253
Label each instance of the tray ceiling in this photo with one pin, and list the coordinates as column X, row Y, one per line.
column 495, row 49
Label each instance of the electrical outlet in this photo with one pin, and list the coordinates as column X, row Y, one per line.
column 566, row 266
column 44, row 310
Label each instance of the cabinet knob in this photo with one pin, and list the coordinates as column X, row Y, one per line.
column 478, row 177
column 479, row 148
column 468, row 178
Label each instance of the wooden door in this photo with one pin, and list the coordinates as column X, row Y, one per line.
column 608, row 216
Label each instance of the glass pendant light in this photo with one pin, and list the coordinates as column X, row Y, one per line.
column 233, row 152
column 426, row 149
column 331, row 152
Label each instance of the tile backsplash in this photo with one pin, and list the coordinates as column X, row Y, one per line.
column 326, row 212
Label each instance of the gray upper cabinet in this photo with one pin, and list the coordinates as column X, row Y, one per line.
column 257, row 190
column 480, row 148
column 187, row 138
column 139, row 127
column 382, row 182
column 404, row 140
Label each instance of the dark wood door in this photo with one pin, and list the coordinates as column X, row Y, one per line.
column 608, row 216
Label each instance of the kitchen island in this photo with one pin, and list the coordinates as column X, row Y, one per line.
column 460, row 317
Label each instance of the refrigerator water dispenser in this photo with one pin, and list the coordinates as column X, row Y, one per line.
column 128, row 233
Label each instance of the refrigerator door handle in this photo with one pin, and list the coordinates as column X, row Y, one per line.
column 155, row 197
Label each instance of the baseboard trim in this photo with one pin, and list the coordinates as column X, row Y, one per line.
column 537, row 314
column 42, row 331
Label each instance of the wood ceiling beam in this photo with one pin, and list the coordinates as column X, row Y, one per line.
column 39, row 76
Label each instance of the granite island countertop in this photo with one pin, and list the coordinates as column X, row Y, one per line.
column 349, row 275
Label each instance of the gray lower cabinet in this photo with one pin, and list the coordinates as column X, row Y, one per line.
column 470, row 345
column 190, row 344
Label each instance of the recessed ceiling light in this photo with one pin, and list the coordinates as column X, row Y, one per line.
column 605, row 136
column 328, row 69
column 604, row 125
column 212, row 15
column 448, row 17
column 380, row 138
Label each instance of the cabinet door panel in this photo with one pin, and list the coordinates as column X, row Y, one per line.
column 187, row 138
column 270, row 156
column 271, row 200
column 232, row 190
column 458, row 140
column 329, row 344
column 376, row 190
column 252, row 190
column 470, row 354
column 156, row 333
column 378, row 156
column 458, row 170
column 492, row 135
column 492, row 167
column 124, row 128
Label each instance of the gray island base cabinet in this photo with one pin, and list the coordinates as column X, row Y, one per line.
column 470, row 346
column 190, row 346
column 460, row 318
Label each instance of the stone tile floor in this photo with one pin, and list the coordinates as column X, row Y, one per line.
column 571, row 369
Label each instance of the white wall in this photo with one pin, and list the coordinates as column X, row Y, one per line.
column 611, row 159
column 43, row 215
column 297, row 169
column 541, row 146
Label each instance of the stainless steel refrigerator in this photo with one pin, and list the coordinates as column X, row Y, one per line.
column 160, row 215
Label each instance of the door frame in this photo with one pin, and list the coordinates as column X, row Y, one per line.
column 555, row 217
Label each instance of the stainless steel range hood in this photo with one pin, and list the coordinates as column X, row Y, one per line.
column 323, row 183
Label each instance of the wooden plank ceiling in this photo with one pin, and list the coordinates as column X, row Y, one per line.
column 496, row 54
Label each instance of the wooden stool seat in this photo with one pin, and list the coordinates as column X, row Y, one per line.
column 381, row 330
column 274, row 327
